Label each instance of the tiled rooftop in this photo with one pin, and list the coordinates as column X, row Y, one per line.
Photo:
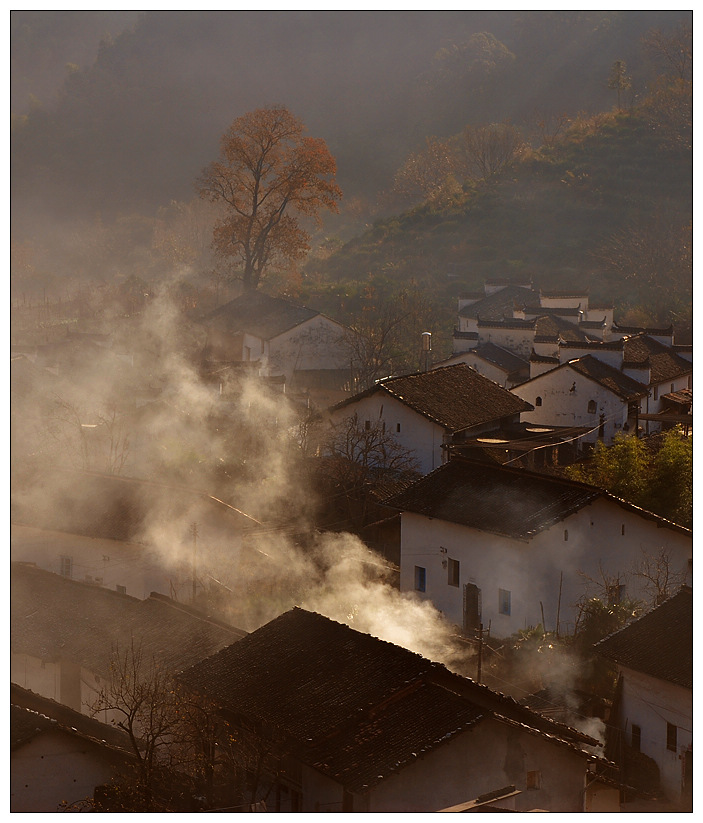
column 660, row 643
column 664, row 362
column 358, row 708
column 500, row 304
column 494, row 498
column 259, row 314
column 455, row 397
column 52, row 615
column 609, row 377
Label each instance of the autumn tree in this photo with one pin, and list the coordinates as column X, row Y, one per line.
column 487, row 150
column 426, row 171
column 618, row 79
column 673, row 50
column 269, row 178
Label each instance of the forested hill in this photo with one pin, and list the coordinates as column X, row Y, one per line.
column 132, row 129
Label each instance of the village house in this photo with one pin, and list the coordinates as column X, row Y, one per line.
column 653, row 711
column 427, row 411
column 304, row 346
column 587, row 392
column 64, row 635
column 59, row 756
column 509, row 549
column 355, row 724
column 134, row 536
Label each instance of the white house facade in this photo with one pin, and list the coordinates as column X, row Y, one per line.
column 511, row 549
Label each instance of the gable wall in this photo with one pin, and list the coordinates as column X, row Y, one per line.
column 651, row 703
column 486, row 757
column 318, row 343
column 55, row 767
column 563, row 407
column 533, row 571
column 518, row 341
column 417, row 433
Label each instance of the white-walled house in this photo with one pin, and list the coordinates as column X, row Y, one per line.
column 63, row 635
column 426, row 411
column 586, row 392
column 654, row 708
column 363, row 725
column 512, row 549
column 494, row 362
column 58, row 756
column 309, row 349
column 129, row 535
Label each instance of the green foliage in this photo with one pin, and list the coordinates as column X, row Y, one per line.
column 656, row 475
column 597, row 619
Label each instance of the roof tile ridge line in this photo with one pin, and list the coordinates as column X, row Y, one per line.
column 513, row 703
column 645, row 512
column 158, row 597
column 683, row 589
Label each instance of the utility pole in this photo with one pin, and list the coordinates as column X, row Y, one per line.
column 194, row 532
column 480, row 652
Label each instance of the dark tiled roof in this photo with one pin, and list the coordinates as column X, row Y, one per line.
column 504, row 359
column 596, row 345
column 358, row 708
column 543, row 311
column 543, row 358
column 455, row 397
column 500, row 304
column 639, row 330
column 31, row 714
column 494, row 498
column 592, row 324
column 52, row 615
column 112, row 506
column 465, row 335
column 553, row 328
column 554, row 293
column 663, row 361
column 608, row 376
column 506, row 323
column 259, row 314
column 660, row 643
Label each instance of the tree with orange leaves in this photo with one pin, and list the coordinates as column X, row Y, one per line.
column 269, row 176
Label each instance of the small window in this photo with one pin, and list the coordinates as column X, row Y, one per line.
column 367, row 425
column 672, row 388
column 383, row 427
column 504, row 601
column 636, row 737
column 420, row 578
column 453, row 572
column 397, row 427
column 671, row 737
column 656, row 392
column 66, row 566
column 592, row 407
column 622, row 530
column 533, row 780
column 538, row 401
column 566, row 534
column 121, row 589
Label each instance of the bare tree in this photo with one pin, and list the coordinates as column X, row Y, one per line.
column 140, row 699
column 673, row 49
column 487, row 150
column 659, row 578
column 619, row 80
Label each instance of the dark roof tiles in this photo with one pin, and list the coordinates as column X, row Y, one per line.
column 664, row 362
column 609, row 377
column 259, row 314
column 659, row 644
column 455, row 397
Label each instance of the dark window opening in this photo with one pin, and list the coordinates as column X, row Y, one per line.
column 453, row 572
column 420, row 578
column 503, row 601
column 592, row 407
column 636, row 737
column 538, row 401
column 671, row 737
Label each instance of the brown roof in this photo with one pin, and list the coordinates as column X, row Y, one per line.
column 504, row 359
column 552, row 327
column 455, row 397
column 500, row 304
column 52, row 615
column 359, row 709
column 609, row 377
column 259, row 314
column 494, row 498
column 664, row 362
column 504, row 500
column 660, row 643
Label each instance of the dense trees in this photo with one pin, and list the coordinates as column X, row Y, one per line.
column 269, row 176
column 656, row 474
